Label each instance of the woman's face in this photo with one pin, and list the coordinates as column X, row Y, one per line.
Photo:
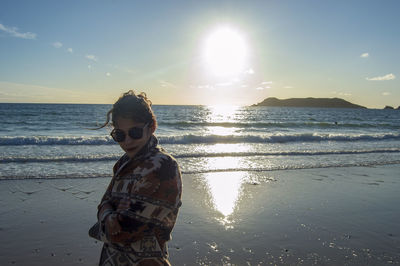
column 129, row 145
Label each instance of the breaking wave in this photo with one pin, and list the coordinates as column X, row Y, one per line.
column 114, row 157
column 203, row 139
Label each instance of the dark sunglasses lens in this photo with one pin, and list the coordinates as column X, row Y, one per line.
column 136, row 133
column 118, row 135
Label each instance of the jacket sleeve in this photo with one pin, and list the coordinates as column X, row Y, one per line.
column 106, row 207
column 153, row 201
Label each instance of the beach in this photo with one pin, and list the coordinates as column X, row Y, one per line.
column 326, row 216
column 261, row 185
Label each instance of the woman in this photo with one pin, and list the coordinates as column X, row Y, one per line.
column 139, row 208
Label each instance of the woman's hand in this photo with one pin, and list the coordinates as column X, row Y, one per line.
column 114, row 231
column 113, row 228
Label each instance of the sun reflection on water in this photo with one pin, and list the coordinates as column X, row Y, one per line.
column 225, row 190
column 222, row 148
column 224, row 187
column 221, row 131
column 220, row 163
column 223, row 113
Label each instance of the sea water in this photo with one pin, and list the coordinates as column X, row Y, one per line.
column 57, row 140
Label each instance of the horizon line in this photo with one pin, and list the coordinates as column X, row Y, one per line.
column 53, row 103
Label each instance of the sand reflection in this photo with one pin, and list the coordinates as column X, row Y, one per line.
column 225, row 189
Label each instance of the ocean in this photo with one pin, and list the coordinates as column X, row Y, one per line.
column 48, row 141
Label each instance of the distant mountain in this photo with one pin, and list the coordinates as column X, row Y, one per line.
column 309, row 102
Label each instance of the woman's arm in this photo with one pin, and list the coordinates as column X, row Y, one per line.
column 106, row 210
column 105, row 207
column 152, row 203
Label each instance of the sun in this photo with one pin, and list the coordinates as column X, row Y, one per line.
column 225, row 52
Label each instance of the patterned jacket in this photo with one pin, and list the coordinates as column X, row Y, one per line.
column 151, row 181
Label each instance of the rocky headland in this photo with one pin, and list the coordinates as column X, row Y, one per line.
column 308, row 102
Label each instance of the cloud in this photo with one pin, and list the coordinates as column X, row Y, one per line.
column 228, row 83
column 288, row 87
column 13, row 31
column 264, row 85
column 341, row 93
column 266, row 82
column 364, row 55
column 167, row 84
column 386, row 93
column 224, row 84
column 381, row 78
column 91, row 57
column 57, row 44
column 108, row 74
column 249, row 71
column 70, row 50
column 203, row 87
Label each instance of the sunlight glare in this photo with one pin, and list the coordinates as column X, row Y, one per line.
column 221, row 131
column 218, row 163
column 225, row 190
column 223, row 113
column 225, row 52
column 223, row 119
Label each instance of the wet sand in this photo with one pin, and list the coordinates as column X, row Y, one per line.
column 334, row 216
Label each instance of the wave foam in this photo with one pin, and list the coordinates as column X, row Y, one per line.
column 44, row 140
column 202, row 171
column 277, row 138
column 267, row 125
column 202, row 139
column 114, row 157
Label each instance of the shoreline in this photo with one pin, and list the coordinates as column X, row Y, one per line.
column 199, row 172
column 329, row 216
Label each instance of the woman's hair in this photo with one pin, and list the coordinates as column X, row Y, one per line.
column 132, row 106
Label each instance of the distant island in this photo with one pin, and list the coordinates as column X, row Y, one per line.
column 308, row 102
column 387, row 107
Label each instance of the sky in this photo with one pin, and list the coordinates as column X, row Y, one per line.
column 200, row 52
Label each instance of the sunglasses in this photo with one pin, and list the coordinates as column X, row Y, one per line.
column 135, row 133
